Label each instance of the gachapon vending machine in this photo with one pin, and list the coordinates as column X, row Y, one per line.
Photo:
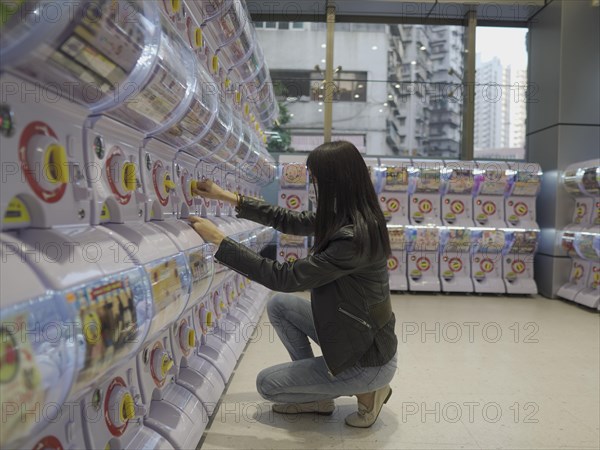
column 455, row 259
column 422, row 263
column 293, row 182
column 170, row 410
column 40, row 349
column 524, row 186
column 457, row 197
column 293, row 195
column 518, row 260
column 112, row 301
column 491, row 185
column 397, row 260
column 67, row 60
column 425, row 178
column 579, row 273
column 587, row 246
column 393, row 198
column 194, row 373
column 376, row 173
column 487, row 247
column 582, row 181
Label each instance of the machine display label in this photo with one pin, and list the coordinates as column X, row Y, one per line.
column 167, row 292
column 20, row 377
column 293, row 174
column 392, row 263
column 396, row 179
column 201, row 272
column 397, row 238
column 461, row 181
column 527, row 182
column 108, row 318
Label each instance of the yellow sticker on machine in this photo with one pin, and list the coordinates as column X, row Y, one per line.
column 105, row 214
column 16, row 212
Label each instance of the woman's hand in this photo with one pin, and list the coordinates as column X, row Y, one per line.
column 210, row 189
column 207, row 230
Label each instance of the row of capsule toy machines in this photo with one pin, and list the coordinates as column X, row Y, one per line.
column 581, row 238
column 459, row 226
column 124, row 331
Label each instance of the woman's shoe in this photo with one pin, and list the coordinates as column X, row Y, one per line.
column 364, row 418
column 323, row 407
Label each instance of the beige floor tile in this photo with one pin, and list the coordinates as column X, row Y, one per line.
column 474, row 372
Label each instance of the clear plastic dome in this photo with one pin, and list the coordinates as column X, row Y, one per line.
column 39, row 351
column 199, row 117
column 114, row 314
column 94, row 54
column 165, row 95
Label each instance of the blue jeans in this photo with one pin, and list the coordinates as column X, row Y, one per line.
column 307, row 378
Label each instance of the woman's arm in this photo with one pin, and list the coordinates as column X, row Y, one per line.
column 338, row 259
column 284, row 220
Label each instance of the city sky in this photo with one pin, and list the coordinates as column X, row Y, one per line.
column 507, row 44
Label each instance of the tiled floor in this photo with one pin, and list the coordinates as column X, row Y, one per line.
column 474, row 372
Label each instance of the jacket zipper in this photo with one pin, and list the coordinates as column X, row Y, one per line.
column 358, row 319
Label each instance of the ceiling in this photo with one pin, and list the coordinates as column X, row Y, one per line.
column 489, row 13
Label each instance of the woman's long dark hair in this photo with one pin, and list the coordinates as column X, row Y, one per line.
column 345, row 195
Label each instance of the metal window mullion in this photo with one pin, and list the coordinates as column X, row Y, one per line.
column 468, row 140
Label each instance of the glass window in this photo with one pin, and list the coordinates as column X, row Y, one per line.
column 425, row 72
column 291, row 85
column 349, row 86
column 298, row 25
column 284, row 25
column 272, row 25
column 399, row 86
column 500, row 93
